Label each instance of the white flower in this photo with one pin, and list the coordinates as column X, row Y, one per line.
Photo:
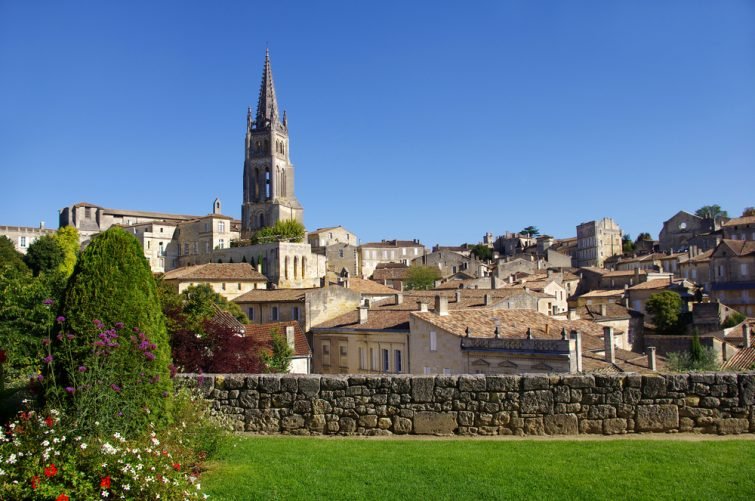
column 126, row 487
column 105, row 494
column 83, row 445
column 45, row 443
column 12, row 459
column 109, row 449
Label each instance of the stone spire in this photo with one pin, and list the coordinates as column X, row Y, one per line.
column 267, row 105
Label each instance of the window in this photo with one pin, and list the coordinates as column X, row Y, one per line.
column 206, row 226
column 221, row 226
column 88, row 213
column 446, row 372
column 426, row 370
column 397, row 361
column 186, row 248
column 340, row 252
column 149, row 244
column 416, row 251
column 162, row 249
column 326, row 353
column 362, row 358
column 274, row 313
column 433, row 341
column 207, row 247
column 373, row 359
column 743, row 270
column 386, row 360
column 295, row 313
column 250, row 313
column 239, row 286
column 22, row 242
column 343, row 355
column 221, row 244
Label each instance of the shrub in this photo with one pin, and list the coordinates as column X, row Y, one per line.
column 219, row 350
column 699, row 358
column 278, row 359
column 10, row 257
column 44, row 255
column 112, row 285
column 67, row 238
column 289, row 230
column 735, row 318
column 422, row 277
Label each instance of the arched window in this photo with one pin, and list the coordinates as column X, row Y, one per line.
column 285, row 271
column 257, row 184
column 268, row 184
column 277, row 181
column 303, row 266
column 283, row 188
column 262, row 220
column 296, row 266
column 257, row 147
column 267, row 146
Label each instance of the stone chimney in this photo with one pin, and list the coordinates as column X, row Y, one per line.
column 603, row 310
column 571, row 314
column 746, row 335
column 497, row 328
column 488, row 299
column 626, row 302
column 511, row 279
column 577, row 337
column 636, row 276
column 363, row 313
column 457, row 294
column 422, row 306
column 367, row 302
column 441, row 305
column 399, row 298
column 610, row 346
column 492, row 282
column 651, row 358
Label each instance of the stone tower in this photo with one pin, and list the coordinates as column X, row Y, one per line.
column 268, row 172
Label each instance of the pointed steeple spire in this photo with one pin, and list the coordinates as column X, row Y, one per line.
column 267, row 105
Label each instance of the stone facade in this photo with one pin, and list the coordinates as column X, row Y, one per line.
column 387, row 251
column 679, row 231
column 597, row 241
column 722, row 403
column 23, row 236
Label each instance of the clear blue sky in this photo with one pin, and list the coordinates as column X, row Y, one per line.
column 437, row 121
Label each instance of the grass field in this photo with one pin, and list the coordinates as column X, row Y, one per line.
column 318, row 468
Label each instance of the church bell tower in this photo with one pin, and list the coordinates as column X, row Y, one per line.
column 268, row 171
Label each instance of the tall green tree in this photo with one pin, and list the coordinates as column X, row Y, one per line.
column 711, row 212
column 279, row 358
column 530, row 231
column 112, row 284
column 44, row 255
column 748, row 211
column 627, row 244
column 665, row 308
column 643, row 236
column 67, row 238
column 10, row 257
column 422, row 277
column 482, row 252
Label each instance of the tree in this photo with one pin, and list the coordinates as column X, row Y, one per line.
column 220, row 350
column 112, row 285
column 748, row 211
column 665, row 308
column 627, row 244
column 67, row 238
column 711, row 212
column 199, row 302
column 643, row 236
column 422, row 277
column 699, row 358
column 44, row 255
column 9, row 256
column 530, row 231
column 289, row 230
column 279, row 358
column 482, row 252
column 735, row 318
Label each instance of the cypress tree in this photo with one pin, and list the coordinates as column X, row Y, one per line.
column 112, row 286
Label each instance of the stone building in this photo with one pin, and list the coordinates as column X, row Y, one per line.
column 196, row 241
column 683, row 228
column 228, row 280
column 340, row 248
column 597, row 241
column 740, row 228
column 301, row 353
column 732, row 268
column 268, row 172
column 451, row 262
column 388, row 251
column 23, row 236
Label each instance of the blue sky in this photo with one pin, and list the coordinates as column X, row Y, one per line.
column 439, row 121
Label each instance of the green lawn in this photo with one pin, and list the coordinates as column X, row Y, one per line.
column 321, row 468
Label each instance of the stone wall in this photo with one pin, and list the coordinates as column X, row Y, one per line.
column 484, row 405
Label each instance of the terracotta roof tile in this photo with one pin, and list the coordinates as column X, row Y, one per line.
column 364, row 286
column 603, row 293
column 658, row 283
column 263, row 333
column 272, row 295
column 743, row 360
column 740, row 220
column 216, row 271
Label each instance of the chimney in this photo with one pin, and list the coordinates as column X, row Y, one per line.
column 492, row 281
column 422, row 306
column 529, row 333
column 511, row 279
column 441, row 305
column 291, row 336
column 636, row 276
column 458, row 296
column 577, row 337
column 363, row 314
column 399, row 298
column 610, row 347
column 746, row 337
column 571, row 314
column 651, row 358
column 603, row 310
column 563, row 334
column 41, row 225
column 626, row 302
column 488, row 299
column 367, row 302
column 497, row 328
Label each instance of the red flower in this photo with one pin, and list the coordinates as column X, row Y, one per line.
column 34, row 482
column 24, row 416
column 2, row 357
column 62, row 497
column 51, row 471
column 105, row 482
column 49, row 421
column 177, row 466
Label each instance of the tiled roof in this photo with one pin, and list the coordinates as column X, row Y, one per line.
column 513, row 324
column 225, row 319
column 272, row 295
column 376, row 320
column 399, row 271
column 739, row 247
column 263, row 333
column 743, row 360
column 658, row 283
column 623, row 273
column 740, row 220
column 321, row 230
column 613, row 311
column 363, row 286
column 702, row 257
column 216, row 271
column 392, row 244
column 603, row 293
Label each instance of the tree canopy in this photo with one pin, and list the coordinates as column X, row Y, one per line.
column 422, row 277
column 627, row 244
column 748, row 211
column 279, row 358
column 67, row 238
column 530, row 231
column 665, row 308
column 44, row 255
column 289, row 230
column 482, row 252
column 9, row 256
column 711, row 212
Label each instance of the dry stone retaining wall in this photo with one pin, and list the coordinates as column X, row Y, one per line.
column 721, row 403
